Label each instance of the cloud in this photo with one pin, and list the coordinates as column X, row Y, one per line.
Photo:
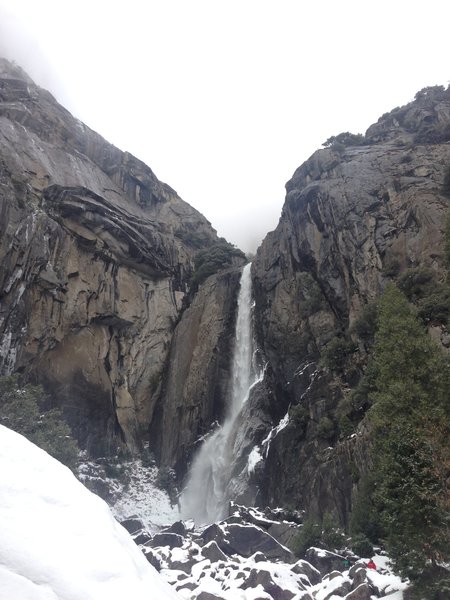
column 19, row 44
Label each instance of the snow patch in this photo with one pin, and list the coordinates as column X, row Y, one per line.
column 135, row 495
column 253, row 459
column 58, row 540
column 274, row 432
column 14, row 277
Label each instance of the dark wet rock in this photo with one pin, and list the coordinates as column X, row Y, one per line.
column 258, row 557
column 212, row 533
column 208, row 596
column 332, row 575
column 324, row 561
column 212, row 551
column 178, row 527
column 142, row 537
column 186, row 566
column 132, row 524
column 264, row 578
column 188, row 585
column 172, row 540
column 153, row 558
column 358, row 573
column 362, row 592
column 302, row 567
column 342, row 590
column 245, row 540
column 285, row 533
column 281, row 524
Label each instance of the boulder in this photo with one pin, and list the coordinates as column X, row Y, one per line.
column 245, row 540
column 264, row 579
column 133, row 524
column 333, row 575
column 358, row 574
column 142, row 537
column 178, row 527
column 302, row 567
column 153, row 559
column 187, row 585
column 341, row 588
column 212, row 552
column 324, row 561
column 284, row 532
column 172, row 540
column 362, row 592
column 360, row 564
column 208, row 596
column 185, row 566
column 258, row 557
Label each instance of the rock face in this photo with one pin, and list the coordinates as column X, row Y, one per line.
column 197, row 378
column 353, row 215
column 95, row 256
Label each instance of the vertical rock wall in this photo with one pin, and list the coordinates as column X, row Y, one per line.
column 197, row 379
column 95, row 257
column 350, row 214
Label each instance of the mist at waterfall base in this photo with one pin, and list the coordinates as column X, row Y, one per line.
column 206, row 496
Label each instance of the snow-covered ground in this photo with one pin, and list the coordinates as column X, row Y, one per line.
column 58, row 541
column 135, row 493
column 240, row 578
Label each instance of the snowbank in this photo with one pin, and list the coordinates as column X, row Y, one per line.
column 58, row 541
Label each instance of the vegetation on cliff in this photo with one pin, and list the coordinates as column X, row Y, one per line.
column 25, row 409
column 404, row 501
column 410, row 424
column 212, row 259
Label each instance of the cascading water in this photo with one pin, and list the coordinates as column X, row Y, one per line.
column 205, row 497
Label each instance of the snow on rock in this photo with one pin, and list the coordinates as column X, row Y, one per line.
column 142, row 497
column 134, row 494
column 383, row 581
column 274, row 432
column 58, row 541
column 208, row 566
column 253, row 459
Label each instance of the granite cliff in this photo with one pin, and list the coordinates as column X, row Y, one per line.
column 362, row 212
column 96, row 259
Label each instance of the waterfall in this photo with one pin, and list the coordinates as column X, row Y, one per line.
column 205, row 498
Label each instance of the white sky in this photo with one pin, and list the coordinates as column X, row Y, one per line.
column 224, row 99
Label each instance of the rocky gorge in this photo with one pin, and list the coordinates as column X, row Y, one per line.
column 121, row 301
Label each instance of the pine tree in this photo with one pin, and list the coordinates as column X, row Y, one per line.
column 23, row 409
column 410, row 423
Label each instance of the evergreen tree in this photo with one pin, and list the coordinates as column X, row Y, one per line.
column 410, row 423
column 23, row 409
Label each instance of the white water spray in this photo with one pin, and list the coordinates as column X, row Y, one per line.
column 205, row 498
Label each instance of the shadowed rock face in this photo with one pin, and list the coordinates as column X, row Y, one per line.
column 95, row 257
column 197, row 377
column 350, row 214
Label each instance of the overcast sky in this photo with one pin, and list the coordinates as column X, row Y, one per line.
column 224, row 99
